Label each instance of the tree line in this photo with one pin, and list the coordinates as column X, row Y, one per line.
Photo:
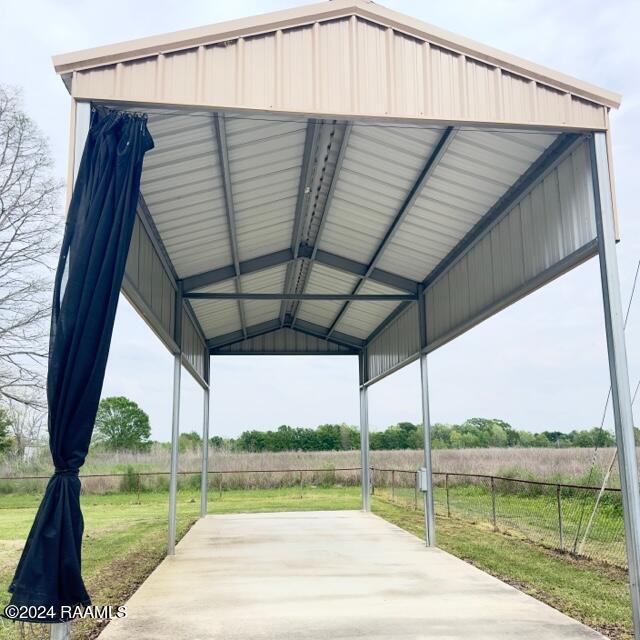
column 122, row 425
column 473, row 433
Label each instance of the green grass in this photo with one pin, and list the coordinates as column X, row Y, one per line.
column 594, row 594
column 534, row 516
column 125, row 540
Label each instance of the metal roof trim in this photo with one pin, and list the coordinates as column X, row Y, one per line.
column 223, row 32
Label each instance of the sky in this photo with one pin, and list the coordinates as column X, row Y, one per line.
column 540, row 364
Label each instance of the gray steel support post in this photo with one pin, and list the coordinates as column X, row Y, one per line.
column 175, row 428
column 364, row 436
column 618, row 370
column 175, row 435
column 79, row 133
column 429, row 509
column 204, row 479
column 61, row 631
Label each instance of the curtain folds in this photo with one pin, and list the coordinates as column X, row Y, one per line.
column 87, row 285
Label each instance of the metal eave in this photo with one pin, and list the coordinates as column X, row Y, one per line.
column 426, row 172
column 221, row 139
column 208, row 278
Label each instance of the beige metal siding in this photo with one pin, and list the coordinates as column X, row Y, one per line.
column 148, row 286
column 548, row 231
column 397, row 344
column 347, row 66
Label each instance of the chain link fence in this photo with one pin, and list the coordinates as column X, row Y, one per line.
column 558, row 516
column 141, row 482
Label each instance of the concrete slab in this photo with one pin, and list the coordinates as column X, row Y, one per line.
column 337, row 575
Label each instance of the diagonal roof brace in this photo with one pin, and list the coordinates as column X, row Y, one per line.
column 426, row 172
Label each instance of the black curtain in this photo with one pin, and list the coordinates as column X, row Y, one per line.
column 88, row 279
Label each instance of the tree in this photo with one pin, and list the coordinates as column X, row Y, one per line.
column 25, row 424
column 5, row 423
column 121, row 424
column 189, row 440
column 29, row 224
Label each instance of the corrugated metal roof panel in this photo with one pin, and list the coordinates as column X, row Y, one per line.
column 182, row 186
column 380, row 166
column 218, row 317
column 325, row 280
column 362, row 318
column 477, row 169
column 267, row 281
column 264, row 162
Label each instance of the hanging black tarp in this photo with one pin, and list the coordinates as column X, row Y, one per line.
column 87, row 285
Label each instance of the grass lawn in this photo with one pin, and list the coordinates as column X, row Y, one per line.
column 534, row 516
column 125, row 540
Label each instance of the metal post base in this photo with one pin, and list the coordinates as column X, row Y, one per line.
column 61, row 631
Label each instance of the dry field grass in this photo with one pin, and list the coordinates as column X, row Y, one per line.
column 558, row 465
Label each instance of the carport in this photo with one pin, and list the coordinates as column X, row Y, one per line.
column 342, row 179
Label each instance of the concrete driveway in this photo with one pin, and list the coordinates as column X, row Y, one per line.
column 337, row 575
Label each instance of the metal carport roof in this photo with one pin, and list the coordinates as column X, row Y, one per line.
column 341, row 155
column 342, row 179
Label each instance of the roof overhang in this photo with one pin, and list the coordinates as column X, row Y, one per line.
column 341, row 179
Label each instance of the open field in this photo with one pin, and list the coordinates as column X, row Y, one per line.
column 556, row 465
column 122, row 532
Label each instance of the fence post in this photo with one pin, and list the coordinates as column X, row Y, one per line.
column 372, row 480
column 300, row 484
column 393, row 486
column 446, row 488
column 220, row 484
column 138, row 488
column 560, row 523
column 415, row 494
column 493, row 503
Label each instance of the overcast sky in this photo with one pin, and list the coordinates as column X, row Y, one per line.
column 540, row 364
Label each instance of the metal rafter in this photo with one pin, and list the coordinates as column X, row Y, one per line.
column 416, row 190
column 325, row 211
column 302, row 205
column 347, row 265
column 223, row 155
